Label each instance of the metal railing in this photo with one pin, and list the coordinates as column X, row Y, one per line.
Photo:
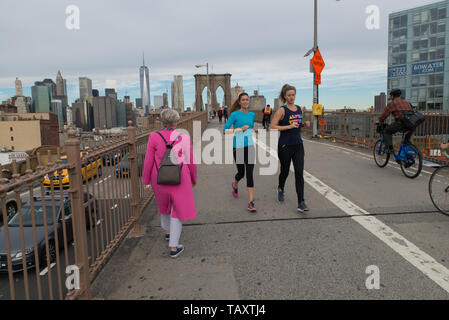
column 61, row 221
column 359, row 128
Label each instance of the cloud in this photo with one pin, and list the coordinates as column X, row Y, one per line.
column 261, row 42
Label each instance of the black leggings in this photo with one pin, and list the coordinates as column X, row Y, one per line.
column 287, row 154
column 245, row 159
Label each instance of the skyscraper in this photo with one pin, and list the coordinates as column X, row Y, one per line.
column 104, row 112
column 380, row 102
column 145, row 87
column 158, row 102
column 177, row 94
column 61, row 85
column 85, row 87
column 19, row 89
column 41, row 98
column 165, row 100
column 418, row 55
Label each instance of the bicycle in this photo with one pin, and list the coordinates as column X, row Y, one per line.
column 406, row 157
column 439, row 188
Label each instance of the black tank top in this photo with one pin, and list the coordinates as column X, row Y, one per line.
column 292, row 136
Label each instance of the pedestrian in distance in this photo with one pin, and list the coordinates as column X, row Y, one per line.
column 241, row 120
column 288, row 120
column 225, row 113
column 266, row 120
column 176, row 203
column 220, row 115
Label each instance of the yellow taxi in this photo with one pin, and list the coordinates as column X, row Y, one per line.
column 89, row 171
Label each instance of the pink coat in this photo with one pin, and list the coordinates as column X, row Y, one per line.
column 181, row 197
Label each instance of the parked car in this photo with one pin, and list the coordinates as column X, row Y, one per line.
column 15, row 234
column 88, row 171
column 11, row 205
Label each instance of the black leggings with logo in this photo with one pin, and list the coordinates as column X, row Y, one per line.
column 286, row 155
column 245, row 159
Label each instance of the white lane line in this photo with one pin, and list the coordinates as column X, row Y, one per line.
column 45, row 271
column 406, row 249
column 350, row 152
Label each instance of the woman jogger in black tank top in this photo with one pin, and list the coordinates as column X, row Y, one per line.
column 288, row 120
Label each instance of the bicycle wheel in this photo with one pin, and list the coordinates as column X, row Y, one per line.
column 412, row 169
column 439, row 189
column 381, row 157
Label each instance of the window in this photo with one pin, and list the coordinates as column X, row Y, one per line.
column 404, row 20
column 415, row 83
column 10, row 129
column 433, row 28
column 416, row 44
column 434, row 14
column 441, row 41
column 396, row 23
column 442, row 13
column 12, row 138
column 423, row 81
column 12, row 148
column 442, row 27
column 424, row 43
column 422, row 94
column 415, row 94
column 439, row 92
column 433, row 42
column 438, row 106
column 415, row 56
column 417, row 18
column 432, row 54
column 440, row 54
column 417, row 31
column 430, row 93
column 423, row 56
column 439, row 79
column 425, row 16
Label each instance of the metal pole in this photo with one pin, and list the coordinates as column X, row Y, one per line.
column 315, row 48
column 208, row 92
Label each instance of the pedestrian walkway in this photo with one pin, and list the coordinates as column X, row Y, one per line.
column 278, row 253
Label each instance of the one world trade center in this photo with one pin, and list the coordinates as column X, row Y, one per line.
column 145, row 87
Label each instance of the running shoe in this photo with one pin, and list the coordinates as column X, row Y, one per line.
column 281, row 196
column 175, row 254
column 303, row 207
column 252, row 207
column 235, row 191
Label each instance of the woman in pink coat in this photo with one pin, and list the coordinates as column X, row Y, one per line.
column 175, row 203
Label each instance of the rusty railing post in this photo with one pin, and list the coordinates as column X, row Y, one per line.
column 345, row 125
column 138, row 230
column 76, row 192
column 371, row 126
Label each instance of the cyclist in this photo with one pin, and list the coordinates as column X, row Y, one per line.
column 267, row 112
column 396, row 108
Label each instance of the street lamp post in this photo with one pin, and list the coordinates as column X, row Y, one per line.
column 314, row 50
column 315, row 85
column 208, row 86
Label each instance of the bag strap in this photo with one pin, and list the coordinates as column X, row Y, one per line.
column 166, row 143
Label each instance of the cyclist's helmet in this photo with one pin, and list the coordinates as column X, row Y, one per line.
column 396, row 93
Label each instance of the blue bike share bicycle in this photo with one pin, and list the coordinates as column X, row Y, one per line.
column 409, row 157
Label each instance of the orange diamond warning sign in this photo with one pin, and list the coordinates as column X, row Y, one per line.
column 318, row 65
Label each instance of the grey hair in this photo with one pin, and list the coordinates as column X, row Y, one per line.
column 169, row 117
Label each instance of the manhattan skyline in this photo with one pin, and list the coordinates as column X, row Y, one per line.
column 260, row 54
